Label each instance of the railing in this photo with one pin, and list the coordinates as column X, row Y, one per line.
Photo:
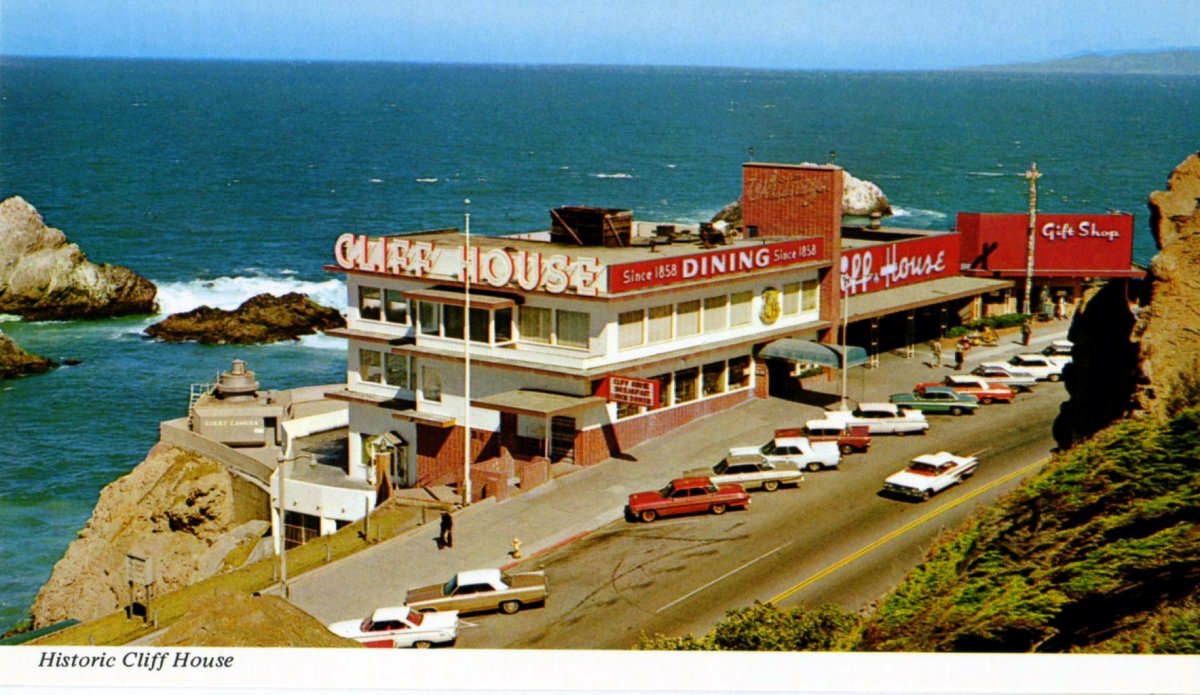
column 294, row 535
column 195, row 391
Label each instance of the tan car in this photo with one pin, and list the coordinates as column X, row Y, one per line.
column 482, row 590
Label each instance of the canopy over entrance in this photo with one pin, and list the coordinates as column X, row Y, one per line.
column 816, row 353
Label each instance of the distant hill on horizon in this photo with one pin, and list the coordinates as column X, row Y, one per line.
column 1183, row 61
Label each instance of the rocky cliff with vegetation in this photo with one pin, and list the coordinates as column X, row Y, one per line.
column 45, row 277
column 175, row 507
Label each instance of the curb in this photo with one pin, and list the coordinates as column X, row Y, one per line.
column 547, row 550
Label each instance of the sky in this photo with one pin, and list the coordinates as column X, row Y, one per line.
column 770, row 34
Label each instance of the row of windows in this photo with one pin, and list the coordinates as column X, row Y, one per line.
column 572, row 328
column 670, row 321
column 686, row 385
column 398, row 370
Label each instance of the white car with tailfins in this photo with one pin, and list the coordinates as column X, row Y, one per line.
column 929, row 474
column 883, row 418
column 400, row 626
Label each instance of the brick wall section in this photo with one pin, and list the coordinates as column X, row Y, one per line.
column 440, row 453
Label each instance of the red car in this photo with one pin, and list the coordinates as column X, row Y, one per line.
column 686, row 496
column 983, row 390
column 849, row 438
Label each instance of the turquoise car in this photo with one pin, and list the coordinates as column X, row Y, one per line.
column 937, row 399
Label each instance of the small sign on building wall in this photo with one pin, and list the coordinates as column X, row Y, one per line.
column 629, row 390
column 139, row 570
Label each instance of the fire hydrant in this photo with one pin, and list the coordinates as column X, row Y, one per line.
column 516, row 551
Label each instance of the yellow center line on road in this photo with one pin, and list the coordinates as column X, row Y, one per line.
column 902, row 530
column 730, row 573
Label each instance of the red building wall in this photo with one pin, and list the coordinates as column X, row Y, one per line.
column 1080, row 244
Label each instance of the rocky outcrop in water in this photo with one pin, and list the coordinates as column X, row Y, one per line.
column 45, row 277
column 1170, row 326
column 176, row 508
column 16, row 362
column 263, row 318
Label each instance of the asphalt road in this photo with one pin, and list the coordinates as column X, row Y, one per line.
column 833, row 539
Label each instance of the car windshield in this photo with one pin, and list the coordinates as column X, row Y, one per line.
column 721, row 467
column 449, row 587
column 668, row 490
column 767, row 448
column 922, row 468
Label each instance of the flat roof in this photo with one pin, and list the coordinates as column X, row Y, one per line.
column 883, row 302
column 531, row 402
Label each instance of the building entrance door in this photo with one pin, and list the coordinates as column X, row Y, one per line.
column 562, row 438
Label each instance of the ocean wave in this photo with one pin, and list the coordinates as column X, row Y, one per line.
column 320, row 341
column 917, row 212
column 986, row 173
column 375, row 181
column 617, row 175
column 229, row 292
column 6, row 318
column 427, row 180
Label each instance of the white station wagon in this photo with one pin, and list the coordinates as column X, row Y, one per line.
column 883, row 418
column 751, row 470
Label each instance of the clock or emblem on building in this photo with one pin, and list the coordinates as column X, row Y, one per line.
column 771, row 306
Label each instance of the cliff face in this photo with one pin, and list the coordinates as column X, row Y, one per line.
column 45, row 277
column 1170, row 342
column 175, row 508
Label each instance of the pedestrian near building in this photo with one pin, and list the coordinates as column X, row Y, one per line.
column 446, row 539
column 1027, row 332
column 935, row 351
column 960, row 353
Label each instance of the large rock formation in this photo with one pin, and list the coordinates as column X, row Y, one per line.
column 176, row 508
column 263, row 318
column 859, row 199
column 1170, row 341
column 45, row 277
column 16, row 362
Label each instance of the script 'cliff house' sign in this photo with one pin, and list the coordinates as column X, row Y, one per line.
column 898, row 263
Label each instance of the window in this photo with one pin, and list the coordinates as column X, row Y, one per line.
column 369, row 302
column 664, row 390
column 625, row 410
column 685, row 385
column 687, row 318
column 572, row 328
column 479, row 325
column 370, row 365
column 739, row 308
column 452, row 321
column 535, row 324
column 659, row 323
column 810, row 294
column 739, row 372
column 396, row 370
column 503, row 319
column 395, row 307
column 431, row 380
column 791, row 298
column 716, row 313
column 427, row 317
column 713, row 381
column 629, row 328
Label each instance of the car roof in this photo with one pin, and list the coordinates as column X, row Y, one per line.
column 1031, row 356
column 939, row 389
column 390, row 613
column 960, row 379
column 825, row 425
column 694, row 481
column 937, row 459
column 877, row 406
column 478, row 576
column 744, row 458
column 1062, row 344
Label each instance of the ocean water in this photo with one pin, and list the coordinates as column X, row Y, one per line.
column 220, row 180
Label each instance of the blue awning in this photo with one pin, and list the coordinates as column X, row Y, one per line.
column 815, row 353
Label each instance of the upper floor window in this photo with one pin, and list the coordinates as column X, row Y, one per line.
column 716, row 313
column 630, row 328
column 572, row 328
column 395, row 307
column 739, row 308
column 791, row 298
column 429, row 317
column 431, row 383
column 536, row 324
column 687, row 318
column 658, row 323
column 370, row 303
column 810, row 294
column 370, row 365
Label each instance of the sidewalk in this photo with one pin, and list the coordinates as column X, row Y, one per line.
column 566, row 508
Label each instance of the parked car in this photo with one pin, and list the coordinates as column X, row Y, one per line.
column 1001, row 373
column 882, row 418
column 796, row 450
column 482, row 590
column 1041, row 367
column 686, row 496
column 930, row 474
column 751, row 470
column 399, row 627
column 982, row 389
column 1059, row 351
column 849, row 438
column 937, row 399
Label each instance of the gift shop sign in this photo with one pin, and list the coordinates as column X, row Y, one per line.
column 1062, row 241
column 532, row 271
column 899, row 263
column 631, row 391
column 624, row 277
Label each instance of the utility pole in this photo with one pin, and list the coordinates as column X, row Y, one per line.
column 1033, row 175
column 466, row 486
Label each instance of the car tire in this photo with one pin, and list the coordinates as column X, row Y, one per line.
column 846, row 449
column 648, row 515
column 422, row 644
column 1055, row 377
column 510, row 607
column 717, row 509
column 770, row 485
column 985, row 400
column 900, row 433
column 812, row 467
column 956, row 411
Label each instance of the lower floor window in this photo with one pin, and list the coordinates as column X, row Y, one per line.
column 685, row 385
column 739, row 372
column 714, row 378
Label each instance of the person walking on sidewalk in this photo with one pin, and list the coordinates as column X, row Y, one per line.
column 1027, row 332
column 960, row 353
column 935, row 350
column 446, row 539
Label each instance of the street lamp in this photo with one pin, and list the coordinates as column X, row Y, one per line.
column 466, row 486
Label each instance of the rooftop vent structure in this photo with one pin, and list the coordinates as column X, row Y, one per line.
column 237, row 384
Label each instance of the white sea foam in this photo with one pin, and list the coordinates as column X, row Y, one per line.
column 320, row 341
column 617, row 175
column 375, row 181
column 229, row 292
column 917, row 212
column 427, row 180
column 5, row 318
column 986, row 173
